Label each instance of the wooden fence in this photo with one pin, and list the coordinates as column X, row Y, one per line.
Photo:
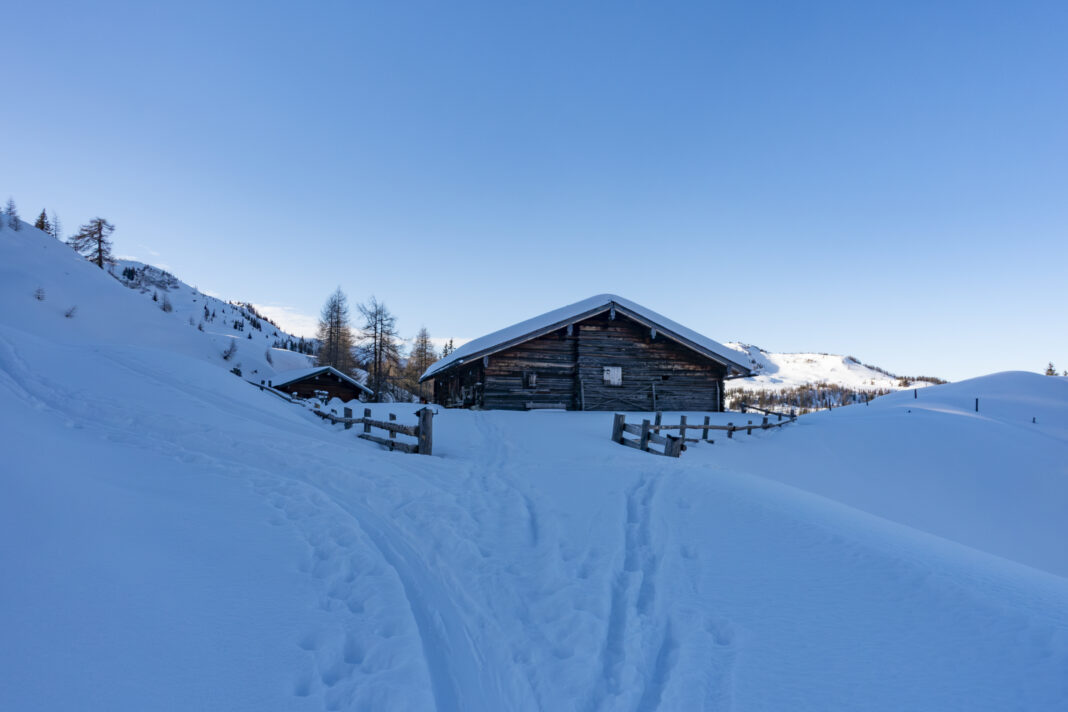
column 423, row 431
column 673, row 445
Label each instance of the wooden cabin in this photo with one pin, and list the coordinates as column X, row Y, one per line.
column 603, row 353
column 325, row 381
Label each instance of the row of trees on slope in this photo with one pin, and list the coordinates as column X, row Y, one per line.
column 92, row 241
column 374, row 346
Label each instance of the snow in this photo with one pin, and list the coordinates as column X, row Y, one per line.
column 785, row 371
column 587, row 307
column 173, row 539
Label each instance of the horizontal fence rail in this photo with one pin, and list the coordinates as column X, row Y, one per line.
column 673, row 445
column 423, row 431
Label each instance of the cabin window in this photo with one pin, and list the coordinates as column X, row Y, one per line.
column 530, row 380
column 613, row 375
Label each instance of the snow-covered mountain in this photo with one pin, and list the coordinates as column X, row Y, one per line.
column 173, row 539
column 130, row 300
column 784, row 371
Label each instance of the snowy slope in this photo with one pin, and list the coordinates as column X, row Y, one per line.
column 255, row 334
column 174, row 539
column 782, row 371
column 106, row 310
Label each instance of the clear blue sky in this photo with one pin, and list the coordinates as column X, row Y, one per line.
column 888, row 180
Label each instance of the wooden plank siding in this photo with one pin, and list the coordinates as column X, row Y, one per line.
column 569, row 371
column 551, row 358
column 683, row 379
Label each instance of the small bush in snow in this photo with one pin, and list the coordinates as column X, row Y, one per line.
column 200, row 326
column 236, row 370
column 267, row 355
column 70, row 312
column 39, row 294
column 230, row 351
column 166, row 306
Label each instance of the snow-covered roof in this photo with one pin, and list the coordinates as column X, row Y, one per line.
column 559, row 318
column 299, row 374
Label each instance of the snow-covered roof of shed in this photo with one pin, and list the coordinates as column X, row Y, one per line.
column 299, row 374
column 559, row 318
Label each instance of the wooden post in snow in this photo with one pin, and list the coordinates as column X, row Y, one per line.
column 367, row 420
column 644, row 442
column 348, row 416
column 673, row 448
column 749, row 430
column 704, row 435
column 730, row 431
column 617, row 427
column 682, row 429
column 426, row 431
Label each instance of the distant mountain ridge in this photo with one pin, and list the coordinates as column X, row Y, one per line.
column 783, row 371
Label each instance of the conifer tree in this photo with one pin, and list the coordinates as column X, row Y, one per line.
column 335, row 334
column 447, row 349
column 42, row 223
column 93, row 241
column 422, row 355
column 380, row 349
column 1051, row 370
column 12, row 214
column 56, row 230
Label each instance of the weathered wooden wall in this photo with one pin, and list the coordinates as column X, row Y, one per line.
column 683, row 379
column 569, row 368
column 551, row 357
column 460, row 387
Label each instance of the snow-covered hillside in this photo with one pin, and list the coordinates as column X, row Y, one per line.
column 48, row 278
column 173, row 539
column 783, row 371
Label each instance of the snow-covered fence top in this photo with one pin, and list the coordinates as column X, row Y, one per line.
column 649, row 432
column 423, row 431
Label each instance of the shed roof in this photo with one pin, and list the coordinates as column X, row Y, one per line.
column 600, row 303
column 299, row 374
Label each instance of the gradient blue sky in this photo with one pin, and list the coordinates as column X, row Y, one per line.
column 887, row 180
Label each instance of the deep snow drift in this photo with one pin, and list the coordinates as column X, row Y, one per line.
column 173, row 538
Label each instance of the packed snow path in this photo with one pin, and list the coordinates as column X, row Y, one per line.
column 174, row 539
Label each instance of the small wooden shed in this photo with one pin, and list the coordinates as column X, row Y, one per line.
column 603, row 353
column 309, row 382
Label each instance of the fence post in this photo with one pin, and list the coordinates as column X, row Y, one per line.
column 659, row 417
column 392, row 433
column 366, row 420
column 617, row 427
column 730, row 431
column 644, row 442
column 749, row 430
column 426, row 431
column 764, row 423
column 705, row 435
column 348, row 416
column 674, row 446
column 976, row 405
